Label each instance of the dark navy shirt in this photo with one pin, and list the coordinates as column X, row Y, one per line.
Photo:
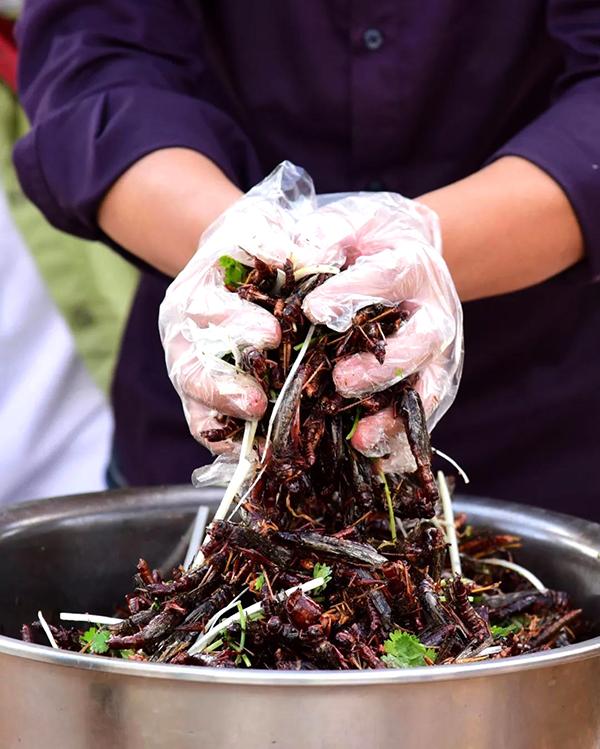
column 403, row 95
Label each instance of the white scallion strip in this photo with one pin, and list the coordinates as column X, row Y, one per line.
column 47, row 630
column 66, row 616
column 492, row 650
column 231, row 605
column 279, row 281
column 452, row 462
column 455, row 564
column 244, row 465
column 246, row 494
column 197, row 535
column 288, row 381
column 235, row 351
column 535, row 581
column 206, row 638
column 242, row 470
column 313, row 270
column 276, row 407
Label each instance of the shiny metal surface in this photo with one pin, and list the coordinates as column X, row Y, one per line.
column 78, row 553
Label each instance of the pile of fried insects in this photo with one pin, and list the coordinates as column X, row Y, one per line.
column 316, row 559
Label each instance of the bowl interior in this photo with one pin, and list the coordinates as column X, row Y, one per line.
column 79, row 553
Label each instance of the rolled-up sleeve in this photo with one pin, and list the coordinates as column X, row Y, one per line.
column 105, row 83
column 564, row 141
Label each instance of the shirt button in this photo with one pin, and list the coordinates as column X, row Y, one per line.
column 373, row 39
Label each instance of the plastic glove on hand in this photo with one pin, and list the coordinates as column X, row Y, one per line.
column 205, row 327
column 392, row 254
column 389, row 250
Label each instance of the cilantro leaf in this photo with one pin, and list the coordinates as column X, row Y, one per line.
column 508, row 628
column 259, row 582
column 324, row 571
column 235, row 272
column 498, row 630
column 97, row 639
column 126, row 653
column 403, row 650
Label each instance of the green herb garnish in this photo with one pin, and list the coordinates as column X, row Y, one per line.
column 259, row 582
column 126, row 653
column 403, row 650
column 324, row 571
column 213, row 646
column 512, row 626
column 96, row 639
column 390, row 506
column 399, row 372
column 314, row 342
column 352, row 431
column 235, row 272
column 242, row 657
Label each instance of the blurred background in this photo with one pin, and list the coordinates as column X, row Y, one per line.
column 63, row 304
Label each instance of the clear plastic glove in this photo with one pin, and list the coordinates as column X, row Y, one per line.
column 201, row 321
column 389, row 250
column 392, row 250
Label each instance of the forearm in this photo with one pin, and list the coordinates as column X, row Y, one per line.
column 505, row 227
column 161, row 205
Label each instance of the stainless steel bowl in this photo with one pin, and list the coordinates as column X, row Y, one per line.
column 78, row 553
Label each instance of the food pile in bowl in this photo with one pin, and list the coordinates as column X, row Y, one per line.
column 318, row 558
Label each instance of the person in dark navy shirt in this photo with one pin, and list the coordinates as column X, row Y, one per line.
column 149, row 119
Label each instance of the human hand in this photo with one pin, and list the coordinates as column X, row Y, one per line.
column 205, row 327
column 390, row 249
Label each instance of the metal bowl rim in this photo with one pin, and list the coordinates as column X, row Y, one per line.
column 253, row 677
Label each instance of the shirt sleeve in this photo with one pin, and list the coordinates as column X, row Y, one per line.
column 105, row 83
column 564, row 140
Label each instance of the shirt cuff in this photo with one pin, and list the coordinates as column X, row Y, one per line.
column 565, row 143
column 67, row 163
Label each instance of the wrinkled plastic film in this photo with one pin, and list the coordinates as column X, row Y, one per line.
column 201, row 322
column 388, row 249
column 218, row 473
column 394, row 251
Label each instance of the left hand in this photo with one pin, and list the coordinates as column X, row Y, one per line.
column 390, row 251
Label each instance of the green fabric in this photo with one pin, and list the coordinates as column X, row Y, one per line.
column 91, row 285
column 11, row 9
